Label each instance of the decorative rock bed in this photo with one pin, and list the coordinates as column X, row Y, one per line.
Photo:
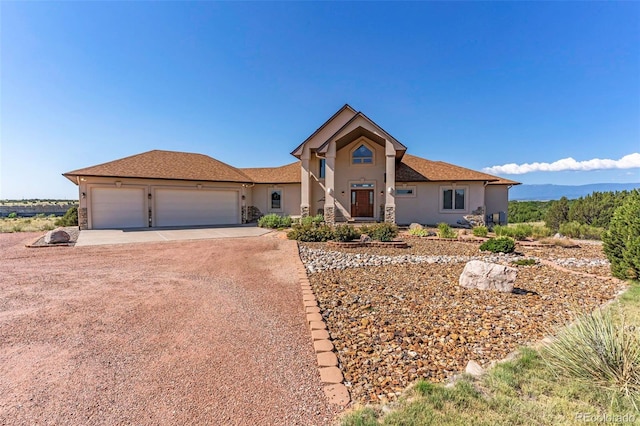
column 396, row 316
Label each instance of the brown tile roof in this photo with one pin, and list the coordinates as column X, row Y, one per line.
column 158, row 164
column 285, row 174
column 416, row 169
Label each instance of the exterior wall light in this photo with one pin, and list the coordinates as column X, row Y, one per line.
column 390, row 190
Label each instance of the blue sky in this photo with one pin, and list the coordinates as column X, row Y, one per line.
column 478, row 84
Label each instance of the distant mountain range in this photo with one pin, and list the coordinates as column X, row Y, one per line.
column 548, row 192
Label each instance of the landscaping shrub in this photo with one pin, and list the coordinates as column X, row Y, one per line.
column 274, row 221
column 575, row 229
column 419, row 232
column 12, row 215
column 499, row 245
column 311, row 220
column 70, row 218
column 480, row 231
column 345, row 233
column 445, row 231
column 621, row 243
column 310, row 233
column 380, row 231
column 541, row 232
column 517, row 232
column 598, row 350
column 524, row 262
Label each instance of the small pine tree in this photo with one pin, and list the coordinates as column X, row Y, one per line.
column 621, row 243
column 557, row 214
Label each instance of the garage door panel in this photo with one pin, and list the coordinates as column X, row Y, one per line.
column 176, row 207
column 117, row 208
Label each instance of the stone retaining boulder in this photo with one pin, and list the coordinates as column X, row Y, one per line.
column 57, row 236
column 488, row 276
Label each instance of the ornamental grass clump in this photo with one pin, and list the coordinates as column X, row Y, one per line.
column 480, row 231
column 599, row 350
column 445, row 231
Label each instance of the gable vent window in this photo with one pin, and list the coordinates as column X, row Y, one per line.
column 362, row 155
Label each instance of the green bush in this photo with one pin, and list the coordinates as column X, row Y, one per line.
column 12, row 215
column 524, row 262
column 345, row 233
column 517, row 232
column 311, row 220
column 310, row 233
column 419, row 232
column 541, row 232
column 621, row 243
column 380, row 231
column 70, row 218
column 480, row 231
column 598, row 350
column 445, row 231
column 499, row 245
column 274, row 221
column 575, row 229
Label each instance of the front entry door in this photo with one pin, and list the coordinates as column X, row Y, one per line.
column 362, row 203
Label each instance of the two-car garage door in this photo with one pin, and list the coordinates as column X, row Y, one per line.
column 125, row 207
column 182, row 207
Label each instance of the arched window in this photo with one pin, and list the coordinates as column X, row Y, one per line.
column 362, row 155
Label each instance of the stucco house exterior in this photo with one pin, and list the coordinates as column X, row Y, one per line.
column 349, row 169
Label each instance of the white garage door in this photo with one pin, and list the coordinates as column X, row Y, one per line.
column 118, row 208
column 183, row 207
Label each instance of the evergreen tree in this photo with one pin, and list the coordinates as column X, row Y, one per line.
column 621, row 242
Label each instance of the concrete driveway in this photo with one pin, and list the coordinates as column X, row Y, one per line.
column 147, row 235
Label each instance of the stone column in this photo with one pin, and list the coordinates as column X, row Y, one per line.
column 390, row 189
column 329, row 185
column 305, row 183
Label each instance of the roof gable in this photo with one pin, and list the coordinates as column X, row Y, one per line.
column 159, row 164
column 358, row 125
column 329, row 127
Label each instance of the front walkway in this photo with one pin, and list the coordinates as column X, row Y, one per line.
column 145, row 235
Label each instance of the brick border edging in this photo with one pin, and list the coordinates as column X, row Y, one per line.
column 330, row 374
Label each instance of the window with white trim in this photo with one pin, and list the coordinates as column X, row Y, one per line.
column 453, row 198
column 406, row 192
column 362, row 155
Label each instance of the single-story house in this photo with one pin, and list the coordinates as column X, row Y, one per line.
column 349, row 169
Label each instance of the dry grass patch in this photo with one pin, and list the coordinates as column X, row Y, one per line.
column 27, row 224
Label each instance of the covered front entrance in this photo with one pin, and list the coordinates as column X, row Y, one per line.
column 362, row 203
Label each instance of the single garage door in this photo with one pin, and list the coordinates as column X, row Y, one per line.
column 118, row 208
column 184, row 207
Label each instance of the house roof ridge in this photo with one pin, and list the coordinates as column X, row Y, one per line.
column 344, row 107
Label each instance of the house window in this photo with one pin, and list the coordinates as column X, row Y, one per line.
column 275, row 199
column 322, row 167
column 362, row 155
column 453, row 198
column 406, row 192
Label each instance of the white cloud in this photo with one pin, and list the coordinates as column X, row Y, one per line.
column 627, row 162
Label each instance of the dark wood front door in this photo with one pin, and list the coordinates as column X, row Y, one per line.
column 362, row 203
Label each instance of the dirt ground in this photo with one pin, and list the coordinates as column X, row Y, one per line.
column 203, row 332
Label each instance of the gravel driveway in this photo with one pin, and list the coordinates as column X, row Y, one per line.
column 201, row 332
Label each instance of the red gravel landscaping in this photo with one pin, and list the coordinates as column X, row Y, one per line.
column 202, row 332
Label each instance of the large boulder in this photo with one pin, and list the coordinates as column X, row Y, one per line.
column 57, row 236
column 488, row 276
column 415, row 226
